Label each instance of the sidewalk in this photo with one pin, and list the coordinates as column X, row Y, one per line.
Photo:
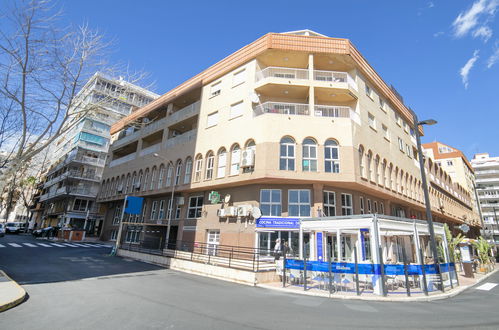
column 11, row 293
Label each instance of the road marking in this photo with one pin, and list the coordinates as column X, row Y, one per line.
column 14, row 245
column 487, row 286
column 58, row 245
column 67, row 244
column 81, row 245
column 44, row 245
column 1, row 246
column 30, row 245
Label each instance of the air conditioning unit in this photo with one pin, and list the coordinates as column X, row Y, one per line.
column 248, row 158
column 243, row 210
column 221, row 213
column 231, row 211
column 180, row 200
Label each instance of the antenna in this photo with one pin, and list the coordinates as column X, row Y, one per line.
column 256, row 213
column 254, row 97
column 227, row 198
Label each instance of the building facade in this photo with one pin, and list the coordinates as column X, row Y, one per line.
column 487, row 186
column 292, row 125
column 79, row 154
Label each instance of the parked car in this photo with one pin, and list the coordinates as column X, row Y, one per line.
column 2, row 230
column 44, row 232
column 15, row 227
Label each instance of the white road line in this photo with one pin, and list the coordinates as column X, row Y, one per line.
column 14, row 245
column 58, row 245
column 487, row 286
column 44, row 245
column 1, row 246
column 102, row 245
column 30, row 245
column 81, row 245
column 67, row 244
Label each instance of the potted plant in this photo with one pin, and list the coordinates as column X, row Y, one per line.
column 483, row 249
column 452, row 243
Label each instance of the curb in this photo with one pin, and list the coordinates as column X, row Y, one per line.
column 384, row 299
column 16, row 301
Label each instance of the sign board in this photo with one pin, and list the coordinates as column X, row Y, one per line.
column 278, row 223
column 465, row 253
column 464, row 228
column 133, row 205
column 214, row 197
column 320, row 252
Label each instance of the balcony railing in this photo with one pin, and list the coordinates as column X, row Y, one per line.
column 122, row 160
column 184, row 113
column 150, row 150
column 332, row 111
column 282, row 108
column 87, row 176
column 86, row 191
column 279, row 72
column 180, row 139
column 484, row 180
column 479, row 173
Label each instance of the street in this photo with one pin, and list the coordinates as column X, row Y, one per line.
column 84, row 288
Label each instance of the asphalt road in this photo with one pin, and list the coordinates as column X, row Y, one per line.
column 140, row 296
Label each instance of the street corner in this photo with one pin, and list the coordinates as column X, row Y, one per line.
column 11, row 293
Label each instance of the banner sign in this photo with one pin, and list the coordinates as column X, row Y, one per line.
column 133, row 205
column 279, row 223
column 320, row 253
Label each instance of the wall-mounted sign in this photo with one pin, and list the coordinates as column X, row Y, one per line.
column 278, row 223
column 214, row 197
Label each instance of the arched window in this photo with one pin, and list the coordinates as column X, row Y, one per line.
column 139, row 181
column 169, row 174
column 145, row 184
column 221, row 163
column 188, row 170
column 153, row 178
column 331, row 158
column 161, row 176
column 198, row 168
column 397, row 181
column 370, row 175
column 377, row 170
column 385, row 176
column 210, row 160
column 390, row 176
column 110, row 188
column 121, row 185
column 178, row 171
column 361, row 162
column 287, row 154
column 235, row 159
column 127, row 184
column 309, row 155
column 134, row 181
column 250, row 145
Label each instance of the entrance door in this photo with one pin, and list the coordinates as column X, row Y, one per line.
column 213, row 240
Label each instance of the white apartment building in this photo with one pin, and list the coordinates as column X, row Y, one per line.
column 487, row 186
column 79, row 155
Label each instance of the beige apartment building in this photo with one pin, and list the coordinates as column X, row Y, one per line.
column 296, row 124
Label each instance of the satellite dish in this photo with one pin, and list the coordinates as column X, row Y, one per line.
column 254, row 98
column 256, row 212
column 227, row 198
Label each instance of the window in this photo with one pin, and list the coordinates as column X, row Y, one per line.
column 382, row 104
column 161, row 175
column 386, row 135
column 198, row 168
column 239, row 78
column 212, row 119
column 369, row 91
column 369, row 206
column 236, row 110
column 169, row 173
column 178, row 171
column 385, row 176
column 127, row 185
column 161, row 213
column 401, row 144
column 153, row 210
column 82, row 205
column 222, row 163
column 381, row 208
column 371, row 120
column 408, row 150
column 299, row 203
column 117, row 215
column 331, row 161
column 346, row 204
column 91, row 138
column 139, row 182
column 377, row 170
column 235, row 159
column 370, row 166
column 146, row 178
column 450, row 163
column 361, row 162
column 210, row 160
column 398, row 120
column 250, row 145
column 361, row 204
column 195, row 207
column 188, row 170
column 329, row 200
column 215, row 89
column 153, row 178
column 406, row 127
column 309, row 153
column 270, row 202
column 287, row 154
column 114, row 235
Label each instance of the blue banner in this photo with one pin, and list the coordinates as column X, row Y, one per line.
column 368, row 269
column 278, row 223
column 133, row 205
column 320, row 253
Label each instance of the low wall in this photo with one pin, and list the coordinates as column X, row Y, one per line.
column 222, row 273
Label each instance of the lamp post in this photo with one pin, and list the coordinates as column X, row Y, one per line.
column 174, row 183
column 429, row 217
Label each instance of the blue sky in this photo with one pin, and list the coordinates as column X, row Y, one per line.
column 442, row 56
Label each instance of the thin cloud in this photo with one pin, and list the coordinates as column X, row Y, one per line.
column 431, row 4
column 476, row 19
column 494, row 58
column 465, row 70
column 438, row 34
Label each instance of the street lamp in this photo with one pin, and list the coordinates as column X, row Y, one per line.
column 426, row 193
column 174, row 182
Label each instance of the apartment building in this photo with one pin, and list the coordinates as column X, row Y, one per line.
column 292, row 125
column 456, row 165
column 78, row 156
column 487, row 186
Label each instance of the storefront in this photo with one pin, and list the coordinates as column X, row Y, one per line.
column 284, row 229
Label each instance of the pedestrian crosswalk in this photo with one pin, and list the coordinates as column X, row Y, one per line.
column 52, row 245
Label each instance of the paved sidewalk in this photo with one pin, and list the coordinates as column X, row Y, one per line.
column 11, row 293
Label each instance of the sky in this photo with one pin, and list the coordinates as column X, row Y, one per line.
column 441, row 56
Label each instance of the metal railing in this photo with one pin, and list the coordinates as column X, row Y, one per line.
column 280, row 72
column 150, row 149
column 183, row 138
column 332, row 111
column 282, row 108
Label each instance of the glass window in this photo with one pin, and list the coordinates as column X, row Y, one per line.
column 161, row 175
column 153, row 210
column 169, row 174
column 210, row 160
column 361, row 205
column 222, row 163
column 178, row 171
column 270, row 202
column 369, row 209
column 346, row 204
column 153, row 178
column 331, row 159
column 188, row 170
column 329, row 203
column 212, row 119
column 235, row 160
column 239, row 78
column 216, row 89
column 309, row 155
column 287, row 154
column 195, row 207
column 361, row 161
column 372, row 120
column 198, row 169
column 236, row 110
column 161, row 214
column 299, row 203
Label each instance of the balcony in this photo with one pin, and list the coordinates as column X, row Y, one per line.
column 150, row 150
column 284, row 73
column 181, row 139
column 83, row 176
column 122, row 160
column 332, row 111
column 486, row 172
column 83, row 191
column 487, row 180
column 282, row 108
